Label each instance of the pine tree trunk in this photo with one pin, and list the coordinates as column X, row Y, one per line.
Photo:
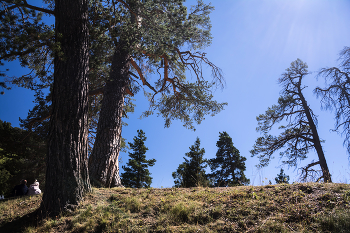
column 103, row 161
column 67, row 178
column 316, row 140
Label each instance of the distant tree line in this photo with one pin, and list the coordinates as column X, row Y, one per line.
column 227, row 168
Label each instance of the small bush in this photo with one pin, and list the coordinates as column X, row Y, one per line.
column 181, row 212
column 133, row 204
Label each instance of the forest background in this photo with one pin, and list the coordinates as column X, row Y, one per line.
column 253, row 43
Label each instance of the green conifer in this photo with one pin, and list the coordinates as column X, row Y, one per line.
column 282, row 178
column 136, row 174
column 228, row 167
column 191, row 173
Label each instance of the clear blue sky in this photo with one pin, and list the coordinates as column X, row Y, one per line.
column 254, row 42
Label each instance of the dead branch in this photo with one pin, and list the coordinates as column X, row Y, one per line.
column 305, row 171
column 194, row 61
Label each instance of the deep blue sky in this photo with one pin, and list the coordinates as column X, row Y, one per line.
column 254, row 42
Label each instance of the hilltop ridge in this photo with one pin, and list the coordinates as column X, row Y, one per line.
column 300, row 207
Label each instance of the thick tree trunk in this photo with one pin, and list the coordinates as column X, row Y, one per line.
column 316, row 139
column 103, row 161
column 67, row 178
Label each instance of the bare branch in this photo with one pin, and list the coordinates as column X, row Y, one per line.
column 25, row 4
column 306, row 170
column 128, row 91
column 194, row 60
column 138, row 69
column 38, row 8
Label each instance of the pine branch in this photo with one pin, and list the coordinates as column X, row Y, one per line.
column 30, row 50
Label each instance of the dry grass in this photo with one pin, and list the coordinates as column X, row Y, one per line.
column 305, row 207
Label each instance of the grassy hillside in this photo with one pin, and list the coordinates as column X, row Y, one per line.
column 304, row 207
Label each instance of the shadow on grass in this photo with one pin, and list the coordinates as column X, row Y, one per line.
column 19, row 225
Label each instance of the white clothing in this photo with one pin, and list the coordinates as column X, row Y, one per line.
column 34, row 189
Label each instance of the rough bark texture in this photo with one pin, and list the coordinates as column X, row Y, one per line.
column 103, row 161
column 67, row 178
column 316, row 139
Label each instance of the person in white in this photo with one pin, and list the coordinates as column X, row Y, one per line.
column 34, row 189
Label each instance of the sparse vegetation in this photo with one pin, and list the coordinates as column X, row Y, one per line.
column 301, row 207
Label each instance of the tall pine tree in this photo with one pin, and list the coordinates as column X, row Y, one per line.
column 299, row 135
column 25, row 37
column 228, row 167
column 129, row 42
column 191, row 173
column 149, row 38
column 136, row 174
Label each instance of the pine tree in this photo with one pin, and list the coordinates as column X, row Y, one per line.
column 67, row 169
column 191, row 173
column 149, row 37
column 129, row 41
column 228, row 167
column 136, row 174
column 282, row 178
column 299, row 135
column 25, row 37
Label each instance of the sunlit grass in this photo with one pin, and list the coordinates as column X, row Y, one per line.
column 302, row 207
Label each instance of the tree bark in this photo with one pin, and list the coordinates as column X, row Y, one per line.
column 103, row 161
column 67, row 177
column 316, row 139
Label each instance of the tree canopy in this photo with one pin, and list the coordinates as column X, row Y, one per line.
column 163, row 41
column 148, row 41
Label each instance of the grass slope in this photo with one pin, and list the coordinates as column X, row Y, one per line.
column 302, row 207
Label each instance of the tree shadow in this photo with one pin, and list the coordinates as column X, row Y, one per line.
column 32, row 219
